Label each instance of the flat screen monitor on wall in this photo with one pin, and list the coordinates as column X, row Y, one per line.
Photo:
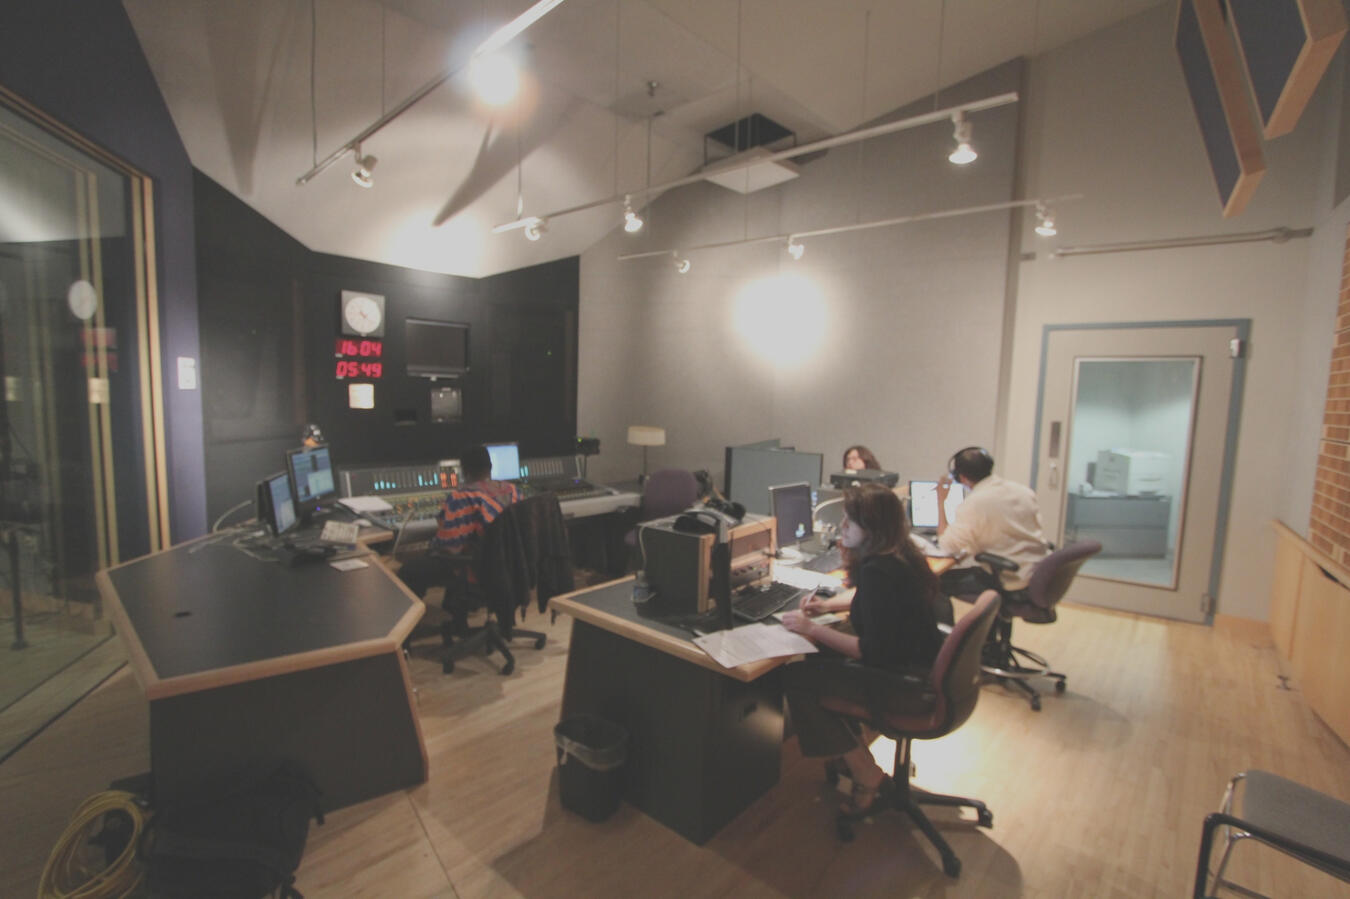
column 505, row 461
column 752, row 471
column 435, row 349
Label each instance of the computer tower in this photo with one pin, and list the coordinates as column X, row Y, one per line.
column 678, row 564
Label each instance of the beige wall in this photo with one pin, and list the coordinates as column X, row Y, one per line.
column 1107, row 117
column 1130, row 145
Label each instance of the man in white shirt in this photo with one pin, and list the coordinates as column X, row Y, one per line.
column 997, row 516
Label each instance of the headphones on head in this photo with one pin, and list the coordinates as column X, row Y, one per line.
column 979, row 450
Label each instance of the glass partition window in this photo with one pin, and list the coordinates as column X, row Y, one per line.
column 1129, row 455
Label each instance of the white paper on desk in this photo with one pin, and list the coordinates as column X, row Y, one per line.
column 349, row 564
column 367, row 504
column 751, row 643
column 805, row 577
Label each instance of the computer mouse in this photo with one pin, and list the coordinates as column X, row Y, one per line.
column 826, row 590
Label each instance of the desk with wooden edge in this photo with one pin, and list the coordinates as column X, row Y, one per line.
column 246, row 660
column 704, row 741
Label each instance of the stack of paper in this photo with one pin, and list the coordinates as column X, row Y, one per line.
column 752, row 643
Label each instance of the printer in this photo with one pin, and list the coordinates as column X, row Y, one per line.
column 1132, row 472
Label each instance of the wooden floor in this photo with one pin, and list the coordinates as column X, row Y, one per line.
column 1101, row 794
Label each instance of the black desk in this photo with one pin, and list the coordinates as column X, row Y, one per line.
column 704, row 741
column 243, row 659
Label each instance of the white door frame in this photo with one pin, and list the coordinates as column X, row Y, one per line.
column 1241, row 332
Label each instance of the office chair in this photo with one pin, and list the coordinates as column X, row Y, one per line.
column 1012, row 665
column 665, row 492
column 906, row 707
column 523, row 549
column 1296, row 820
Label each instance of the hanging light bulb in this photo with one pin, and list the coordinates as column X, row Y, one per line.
column 964, row 154
column 682, row 264
column 632, row 222
column 365, row 166
column 1045, row 221
column 795, row 250
column 535, row 229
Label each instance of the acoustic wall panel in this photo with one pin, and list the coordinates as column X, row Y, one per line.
column 1213, row 74
column 1286, row 46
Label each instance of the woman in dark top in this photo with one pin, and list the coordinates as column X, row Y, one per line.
column 892, row 624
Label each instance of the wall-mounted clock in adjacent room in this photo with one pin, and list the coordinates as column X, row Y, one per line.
column 362, row 314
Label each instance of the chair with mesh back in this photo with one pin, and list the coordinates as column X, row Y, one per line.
column 1296, row 820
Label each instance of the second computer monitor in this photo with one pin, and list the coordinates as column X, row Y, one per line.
column 311, row 472
column 279, row 509
column 923, row 504
column 505, row 461
column 792, row 512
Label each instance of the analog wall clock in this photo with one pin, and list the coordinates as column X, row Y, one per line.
column 362, row 314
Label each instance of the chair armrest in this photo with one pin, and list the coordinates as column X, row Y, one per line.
column 996, row 562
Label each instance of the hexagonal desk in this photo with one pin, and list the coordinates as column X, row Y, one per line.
column 245, row 660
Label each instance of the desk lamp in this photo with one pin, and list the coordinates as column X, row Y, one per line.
column 645, row 436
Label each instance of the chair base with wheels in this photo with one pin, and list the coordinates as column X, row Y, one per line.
column 899, row 794
column 461, row 642
column 1014, row 667
column 1296, row 820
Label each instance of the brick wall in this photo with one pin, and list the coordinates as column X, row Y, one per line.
column 1329, row 529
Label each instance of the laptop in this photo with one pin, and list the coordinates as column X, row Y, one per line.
column 923, row 505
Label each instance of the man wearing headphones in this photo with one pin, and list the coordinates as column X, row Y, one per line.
column 997, row 516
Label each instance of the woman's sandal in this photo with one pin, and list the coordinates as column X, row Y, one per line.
column 864, row 799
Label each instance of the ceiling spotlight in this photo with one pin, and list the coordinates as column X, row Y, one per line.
column 681, row 264
column 535, row 229
column 365, row 166
column 795, row 250
column 964, row 154
column 1045, row 221
column 495, row 78
column 632, row 222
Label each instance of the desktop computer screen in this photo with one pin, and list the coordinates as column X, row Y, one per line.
column 923, row 505
column 311, row 473
column 505, row 461
column 792, row 511
column 279, row 514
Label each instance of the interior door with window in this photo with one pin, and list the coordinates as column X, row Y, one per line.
column 1134, row 450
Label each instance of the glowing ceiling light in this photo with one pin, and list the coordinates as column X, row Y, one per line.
column 682, row 265
column 495, row 77
column 632, row 222
column 964, row 154
column 1045, row 222
column 365, row 168
column 535, row 229
column 795, row 250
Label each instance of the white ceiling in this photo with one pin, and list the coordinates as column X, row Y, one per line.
column 236, row 75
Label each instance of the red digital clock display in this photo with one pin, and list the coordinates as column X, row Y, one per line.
column 358, row 358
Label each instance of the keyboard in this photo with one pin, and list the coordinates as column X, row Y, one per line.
column 826, row 562
column 759, row 604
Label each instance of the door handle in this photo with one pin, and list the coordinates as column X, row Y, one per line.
column 1054, row 475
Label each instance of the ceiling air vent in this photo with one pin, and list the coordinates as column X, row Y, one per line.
column 730, row 154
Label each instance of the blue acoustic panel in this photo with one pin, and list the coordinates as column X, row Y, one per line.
column 1286, row 46
column 1228, row 127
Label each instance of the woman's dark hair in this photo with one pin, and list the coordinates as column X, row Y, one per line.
column 877, row 510
column 869, row 459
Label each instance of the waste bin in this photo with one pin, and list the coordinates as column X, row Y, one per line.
column 591, row 753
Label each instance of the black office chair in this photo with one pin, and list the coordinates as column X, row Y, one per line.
column 1012, row 665
column 906, row 707
column 524, row 550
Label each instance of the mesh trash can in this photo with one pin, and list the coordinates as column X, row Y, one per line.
column 591, row 753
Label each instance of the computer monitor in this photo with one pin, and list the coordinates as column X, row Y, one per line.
column 791, row 505
column 276, row 507
column 312, row 481
column 923, row 504
column 505, row 461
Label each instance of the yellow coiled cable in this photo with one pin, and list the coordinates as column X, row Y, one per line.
column 69, row 872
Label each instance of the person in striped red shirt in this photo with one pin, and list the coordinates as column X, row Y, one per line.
column 465, row 514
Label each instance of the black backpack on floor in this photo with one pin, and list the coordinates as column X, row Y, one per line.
column 237, row 837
